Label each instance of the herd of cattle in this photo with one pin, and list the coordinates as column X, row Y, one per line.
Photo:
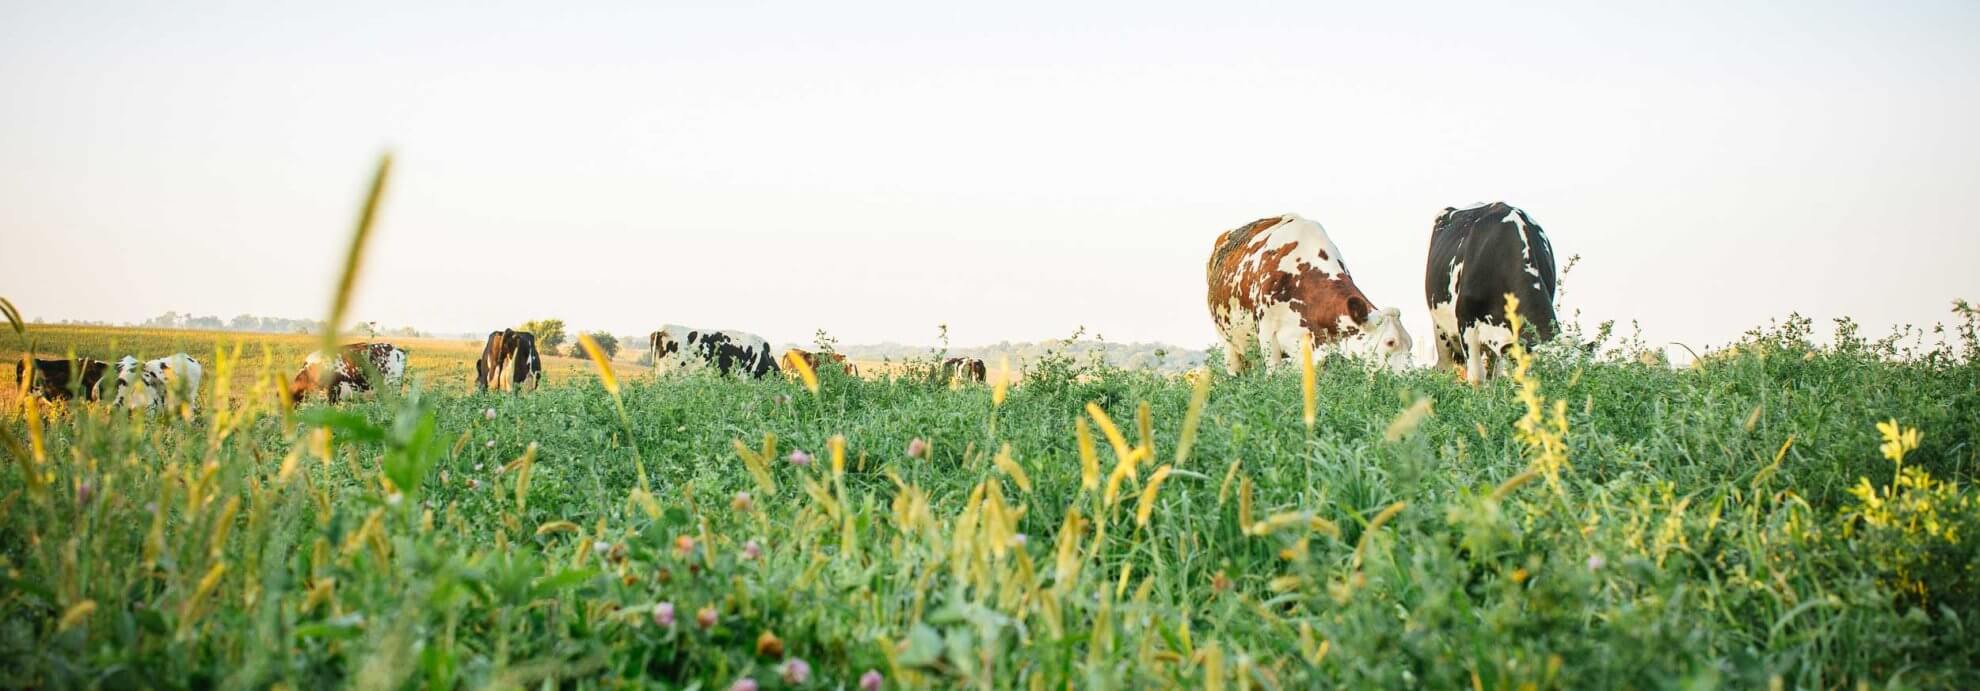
column 1273, row 284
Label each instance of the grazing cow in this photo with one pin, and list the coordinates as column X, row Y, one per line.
column 161, row 381
column 1478, row 255
column 812, row 360
column 60, row 380
column 1276, row 281
column 352, row 372
column 680, row 347
column 967, row 369
column 507, row 349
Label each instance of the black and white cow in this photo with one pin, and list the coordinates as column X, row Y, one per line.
column 61, row 380
column 164, row 381
column 1478, row 255
column 677, row 347
column 509, row 361
column 351, row 372
column 965, row 369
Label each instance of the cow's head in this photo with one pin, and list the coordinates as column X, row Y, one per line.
column 305, row 379
column 1380, row 340
column 133, row 388
column 159, row 374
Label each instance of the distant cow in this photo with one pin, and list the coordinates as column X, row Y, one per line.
column 812, row 360
column 1478, row 255
column 161, row 381
column 1277, row 280
column 967, row 369
column 678, row 347
column 58, row 380
column 352, row 372
column 509, row 361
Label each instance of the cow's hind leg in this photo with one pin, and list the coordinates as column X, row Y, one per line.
column 1475, row 365
column 1268, row 345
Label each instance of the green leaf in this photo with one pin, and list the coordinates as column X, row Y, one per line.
column 924, row 647
column 568, row 579
column 29, row 587
column 349, row 424
column 340, row 628
column 151, row 621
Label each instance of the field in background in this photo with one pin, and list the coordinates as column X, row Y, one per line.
column 437, row 363
column 1596, row 523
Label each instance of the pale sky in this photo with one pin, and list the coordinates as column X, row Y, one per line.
column 1013, row 169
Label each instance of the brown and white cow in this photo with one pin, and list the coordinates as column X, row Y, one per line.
column 813, row 360
column 966, row 369
column 509, row 361
column 1275, row 281
column 352, row 371
column 60, row 380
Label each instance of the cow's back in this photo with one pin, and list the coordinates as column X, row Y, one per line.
column 1478, row 255
column 1225, row 272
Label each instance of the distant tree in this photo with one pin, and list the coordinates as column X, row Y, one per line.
column 245, row 322
column 206, row 322
column 549, row 333
column 606, row 342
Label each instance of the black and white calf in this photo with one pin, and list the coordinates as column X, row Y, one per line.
column 165, row 381
column 1478, row 255
column 509, row 361
column 677, row 347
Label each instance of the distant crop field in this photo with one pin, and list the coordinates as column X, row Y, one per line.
column 1784, row 514
column 438, row 364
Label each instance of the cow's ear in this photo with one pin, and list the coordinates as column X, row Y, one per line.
column 1358, row 308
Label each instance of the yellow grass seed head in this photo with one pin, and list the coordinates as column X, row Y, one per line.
column 1244, row 500
column 556, row 527
column 1361, row 549
column 1408, row 421
column 805, row 375
column 1199, row 395
column 1121, row 472
column 603, row 363
column 76, row 615
column 1089, row 457
column 1002, row 385
column 1144, row 427
column 1147, row 503
column 758, row 467
column 1309, row 385
column 1107, row 428
column 1011, row 468
column 837, row 446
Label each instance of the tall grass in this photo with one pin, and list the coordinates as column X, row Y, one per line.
column 1586, row 523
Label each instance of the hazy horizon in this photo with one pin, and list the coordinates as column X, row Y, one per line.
column 1013, row 171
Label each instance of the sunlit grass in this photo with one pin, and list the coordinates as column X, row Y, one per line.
column 1789, row 515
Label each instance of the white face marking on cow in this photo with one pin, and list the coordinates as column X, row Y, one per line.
column 1382, row 341
column 394, row 367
